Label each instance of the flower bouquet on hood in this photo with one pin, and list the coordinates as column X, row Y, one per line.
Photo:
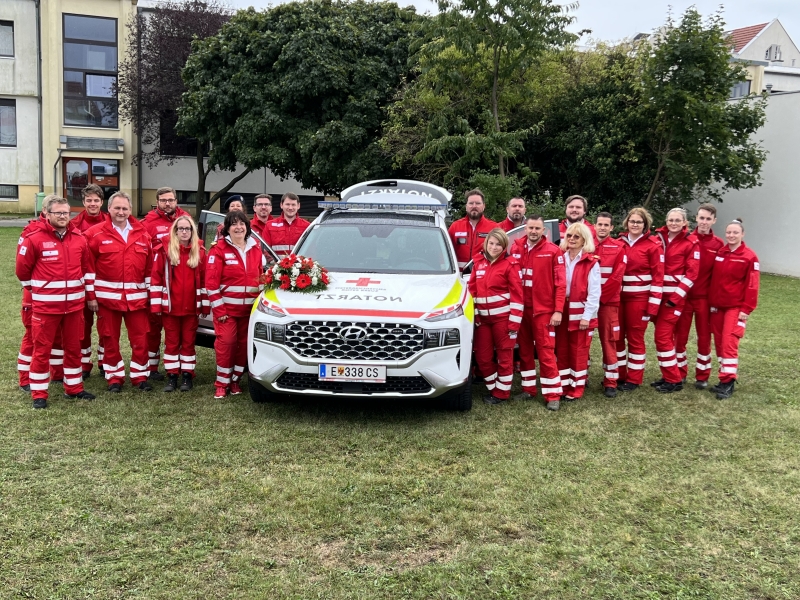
column 296, row 274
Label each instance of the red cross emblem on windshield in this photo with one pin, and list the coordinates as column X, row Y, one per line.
column 362, row 281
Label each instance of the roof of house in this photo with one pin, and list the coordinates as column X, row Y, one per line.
column 743, row 36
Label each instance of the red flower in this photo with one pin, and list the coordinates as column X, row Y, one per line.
column 303, row 281
column 268, row 277
column 287, row 262
column 325, row 279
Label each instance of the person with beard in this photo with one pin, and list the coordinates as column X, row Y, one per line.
column 262, row 205
column 575, row 207
column 468, row 234
column 515, row 211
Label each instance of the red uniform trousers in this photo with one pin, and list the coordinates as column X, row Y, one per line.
column 109, row 323
column 572, row 355
column 666, row 326
column 45, row 328
column 699, row 308
column 179, row 336
column 536, row 332
column 154, row 341
column 491, row 339
column 230, row 347
column 728, row 330
column 25, row 355
column 86, row 343
column 631, row 351
column 608, row 330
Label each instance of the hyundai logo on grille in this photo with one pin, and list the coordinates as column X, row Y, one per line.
column 353, row 334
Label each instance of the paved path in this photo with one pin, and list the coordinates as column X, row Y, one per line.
column 14, row 222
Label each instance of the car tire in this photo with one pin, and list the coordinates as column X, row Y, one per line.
column 460, row 398
column 260, row 394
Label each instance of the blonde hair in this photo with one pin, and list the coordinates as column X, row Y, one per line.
column 583, row 231
column 174, row 249
column 499, row 235
column 680, row 211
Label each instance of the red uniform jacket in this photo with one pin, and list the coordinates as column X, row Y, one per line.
column 84, row 221
column 179, row 290
column 564, row 225
column 708, row 245
column 579, row 291
column 496, row 288
column 27, row 301
column 468, row 241
column 281, row 236
column 681, row 265
column 612, row 268
column 507, row 224
column 120, row 275
column 644, row 272
column 52, row 268
column 232, row 285
column 259, row 227
column 157, row 222
column 544, row 276
column 735, row 279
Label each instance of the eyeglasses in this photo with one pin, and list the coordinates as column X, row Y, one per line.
column 635, row 222
column 673, row 221
column 183, row 229
column 570, row 236
column 262, row 205
column 167, row 200
column 59, row 214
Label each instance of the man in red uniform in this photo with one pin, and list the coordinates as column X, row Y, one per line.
column 157, row 223
column 282, row 233
column 697, row 300
column 544, row 291
column 469, row 233
column 262, row 205
column 575, row 207
column 122, row 256
column 91, row 215
column 612, row 268
column 515, row 211
column 51, row 263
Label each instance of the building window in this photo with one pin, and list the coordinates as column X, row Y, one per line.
column 741, row 89
column 8, row 122
column 90, row 71
column 6, row 38
column 9, row 192
column 186, row 197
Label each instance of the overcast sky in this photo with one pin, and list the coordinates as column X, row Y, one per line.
column 612, row 20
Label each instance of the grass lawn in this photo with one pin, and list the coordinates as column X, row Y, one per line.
column 182, row 496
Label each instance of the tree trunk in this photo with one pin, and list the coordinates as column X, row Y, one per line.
column 225, row 190
column 496, row 110
column 202, row 174
column 662, row 157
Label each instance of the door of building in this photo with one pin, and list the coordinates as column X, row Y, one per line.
column 79, row 172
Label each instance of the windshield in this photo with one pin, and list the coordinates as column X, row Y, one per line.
column 378, row 248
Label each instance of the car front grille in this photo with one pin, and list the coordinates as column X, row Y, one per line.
column 394, row 385
column 382, row 341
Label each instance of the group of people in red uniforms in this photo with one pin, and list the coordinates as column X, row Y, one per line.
column 549, row 300
column 154, row 275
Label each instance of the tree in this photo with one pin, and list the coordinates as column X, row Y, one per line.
column 300, row 88
column 150, row 84
column 702, row 142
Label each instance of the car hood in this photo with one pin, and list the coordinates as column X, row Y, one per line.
column 376, row 295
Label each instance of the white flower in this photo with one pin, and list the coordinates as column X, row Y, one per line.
column 314, row 281
column 293, row 281
column 295, row 271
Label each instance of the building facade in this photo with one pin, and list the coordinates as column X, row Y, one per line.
column 771, row 56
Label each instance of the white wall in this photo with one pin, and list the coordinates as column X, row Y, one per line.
column 20, row 165
column 774, row 33
column 18, row 74
column 771, row 211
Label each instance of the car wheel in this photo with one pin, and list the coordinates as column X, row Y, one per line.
column 459, row 398
column 260, row 394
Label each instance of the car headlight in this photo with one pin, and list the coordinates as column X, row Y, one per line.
column 263, row 307
column 438, row 338
column 269, row 332
column 453, row 314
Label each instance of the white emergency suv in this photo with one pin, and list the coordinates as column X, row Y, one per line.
column 396, row 319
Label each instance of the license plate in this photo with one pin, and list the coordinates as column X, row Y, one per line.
column 354, row 373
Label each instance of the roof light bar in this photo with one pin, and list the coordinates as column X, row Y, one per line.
column 380, row 205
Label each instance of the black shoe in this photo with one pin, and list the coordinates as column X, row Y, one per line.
column 668, row 388
column 156, row 376
column 115, row 388
column 725, row 390
column 40, row 403
column 627, row 386
column 145, row 387
column 554, row 405
column 568, row 399
column 489, row 399
column 172, row 383
column 82, row 395
column 714, row 389
column 658, row 382
column 102, row 371
column 186, row 383
column 26, row 388
column 700, row 385
column 610, row 392
column 86, row 375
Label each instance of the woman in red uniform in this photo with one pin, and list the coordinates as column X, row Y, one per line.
column 681, row 266
column 233, row 269
column 640, row 297
column 574, row 334
column 177, row 292
column 496, row 287
column 733, row 295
